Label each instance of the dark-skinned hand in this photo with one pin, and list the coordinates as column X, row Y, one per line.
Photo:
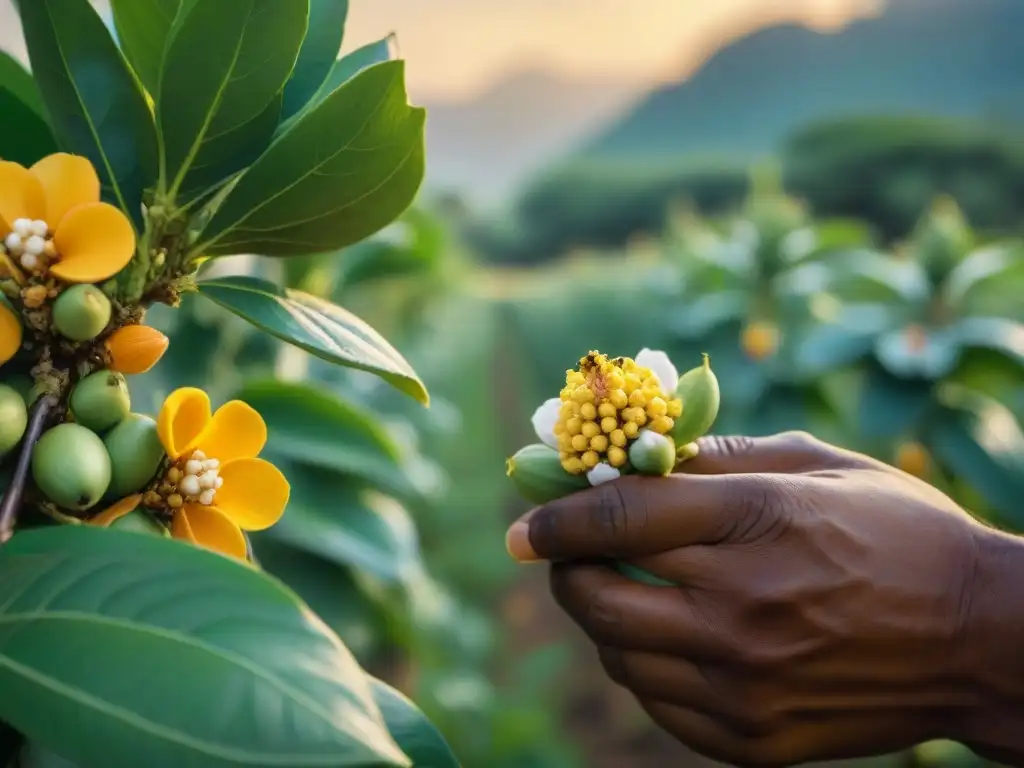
column 827, row 605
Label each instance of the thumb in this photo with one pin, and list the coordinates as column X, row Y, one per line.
column 785, row 453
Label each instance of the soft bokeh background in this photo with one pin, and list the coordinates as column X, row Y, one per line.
column 826, row 195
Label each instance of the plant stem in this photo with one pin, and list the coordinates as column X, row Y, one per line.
column 11, row 504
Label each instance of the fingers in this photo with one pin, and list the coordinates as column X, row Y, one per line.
column 700, row 732
column 636, row 516
column 614, row 610
column 787, row 452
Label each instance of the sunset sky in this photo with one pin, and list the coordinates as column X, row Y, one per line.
column 459, row 47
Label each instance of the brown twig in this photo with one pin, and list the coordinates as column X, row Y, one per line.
column 11, row 504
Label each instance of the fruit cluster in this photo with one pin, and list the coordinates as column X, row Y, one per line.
column 605, row 403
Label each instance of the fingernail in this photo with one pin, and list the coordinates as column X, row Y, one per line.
column 517, row 542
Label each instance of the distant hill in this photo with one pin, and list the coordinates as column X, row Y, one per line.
column 940, row 57
column 484, row 146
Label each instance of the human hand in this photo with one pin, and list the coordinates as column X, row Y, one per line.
column 824, row 606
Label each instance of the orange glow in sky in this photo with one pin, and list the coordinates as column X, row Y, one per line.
column 458, row 47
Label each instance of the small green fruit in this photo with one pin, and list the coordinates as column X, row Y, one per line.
column 539, row 477
column 652, row 454
column 698, row 389
column 23, row 385
column 71, row 467
column 81, row 312
column 13, row 418
column 135, row 454
column 138, row 521
column 100, row 400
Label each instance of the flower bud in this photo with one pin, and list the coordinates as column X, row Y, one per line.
column 698, row 389
column 71, row 467
column 11, row 331
column 537, row 473
column 136, row 348
column 652, row 454
column 81, row 312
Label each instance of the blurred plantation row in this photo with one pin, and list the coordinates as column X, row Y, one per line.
column 883, row 171
column 913, row 353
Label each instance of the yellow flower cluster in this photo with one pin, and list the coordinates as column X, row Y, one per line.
column 605, row 403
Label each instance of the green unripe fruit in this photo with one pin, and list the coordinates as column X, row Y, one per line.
column 13, row 418
column 137, row 521
column 698, row 389
column 81, row 312
column 539, row 477
column 135, row 454
column 100, row 400
column 23, row 385
column 71, row 467
column 652, row 454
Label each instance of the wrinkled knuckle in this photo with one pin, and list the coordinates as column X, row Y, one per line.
column 728, row 445
column 798, row 438
column 603, row 618
column 611, row 519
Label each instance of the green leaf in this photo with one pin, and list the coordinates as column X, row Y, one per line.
column 317, row 55
column 26, row 136
column 143, row 27
column 315, row 427
column 867, row 276
column 891, row 406
column 827, row 347
column 978, row 439
column 96, row 106
column 317, row 326
column 219, row 96
column 996, row 333
column 343, row 171
column 190, row 658
column 346, row 523
column 415, row 734
column 928, row 353
column 344, row 69
column 328, row 589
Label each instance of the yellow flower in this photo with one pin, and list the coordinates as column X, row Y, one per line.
column 222, row 487
column 215, row 487
column 52, row 220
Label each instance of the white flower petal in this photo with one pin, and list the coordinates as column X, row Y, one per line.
column 544, row 420
column 603, row 473
column 661, row 367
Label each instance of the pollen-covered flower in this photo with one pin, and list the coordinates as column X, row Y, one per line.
column 603, row 408
column 53, row 223
column 214, row 486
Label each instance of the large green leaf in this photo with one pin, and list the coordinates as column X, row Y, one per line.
column 343, row 171
column 415, row 734
column 313, row 426
column 96, row 106
column 867, row 276
column 996, row 333
column 318, row 53
column 978, row 439
column 317, row 326
column 143, row 27
column 825, row 348
column 989, row 282
column 219, row 97
column 25, row 135
column 346, row 523
column 328, row 589
column 890, row 406
column 344, row 69
column 117, row 647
